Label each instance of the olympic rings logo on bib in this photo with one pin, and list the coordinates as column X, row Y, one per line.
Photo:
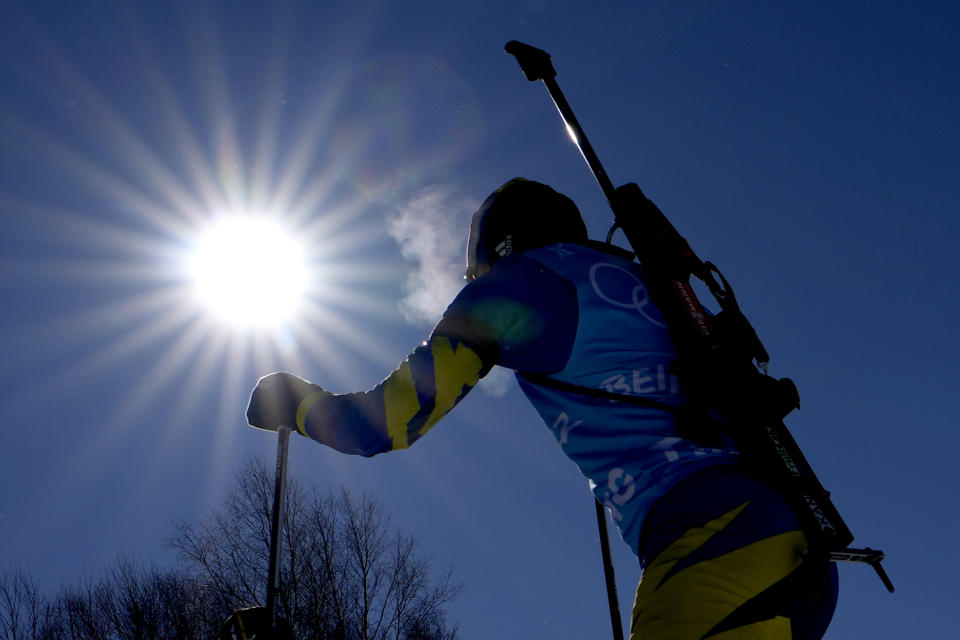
column 638, row 296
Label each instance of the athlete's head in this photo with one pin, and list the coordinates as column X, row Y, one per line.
column 519, row 216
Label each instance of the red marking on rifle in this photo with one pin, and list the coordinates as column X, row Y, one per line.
column 689, row 299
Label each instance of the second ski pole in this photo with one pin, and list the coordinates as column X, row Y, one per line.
column 276, row 522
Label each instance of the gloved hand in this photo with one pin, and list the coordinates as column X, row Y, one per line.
column 275, row 399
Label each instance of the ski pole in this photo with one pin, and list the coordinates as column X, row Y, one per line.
column 279, row 495
column 608, row 574
column 251, row 623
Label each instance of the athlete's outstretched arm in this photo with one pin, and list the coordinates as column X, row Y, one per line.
column 519, row 315
column 393, row 415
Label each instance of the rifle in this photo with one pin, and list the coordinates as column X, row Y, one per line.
column 721, row 360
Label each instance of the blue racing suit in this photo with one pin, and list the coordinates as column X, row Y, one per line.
column 582, row 317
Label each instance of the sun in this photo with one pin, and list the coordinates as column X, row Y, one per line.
column 248, row 271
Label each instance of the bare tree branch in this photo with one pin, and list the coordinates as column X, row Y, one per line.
column 346, row 574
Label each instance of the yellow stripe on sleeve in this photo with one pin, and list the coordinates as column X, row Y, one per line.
column 401, row 404
column 304, row 408
column 454, row 368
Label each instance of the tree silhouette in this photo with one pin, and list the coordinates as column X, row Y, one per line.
column 346, row 574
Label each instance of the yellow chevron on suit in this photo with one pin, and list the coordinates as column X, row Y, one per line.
column 686, row 604
column 456, row 367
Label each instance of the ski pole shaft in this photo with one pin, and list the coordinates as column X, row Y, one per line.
column 608, row 574
column 279, row 495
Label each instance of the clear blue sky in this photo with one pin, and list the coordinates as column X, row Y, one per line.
column 807, row 148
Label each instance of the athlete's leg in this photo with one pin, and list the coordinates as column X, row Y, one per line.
column 723, row 559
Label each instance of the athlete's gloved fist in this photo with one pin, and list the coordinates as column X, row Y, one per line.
column 275, row 400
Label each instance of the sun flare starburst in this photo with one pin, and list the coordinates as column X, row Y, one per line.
column 205, row 237
column 249, row 271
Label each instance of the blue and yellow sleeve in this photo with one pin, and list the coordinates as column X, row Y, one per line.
column 519, row 315
column 398, row 411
